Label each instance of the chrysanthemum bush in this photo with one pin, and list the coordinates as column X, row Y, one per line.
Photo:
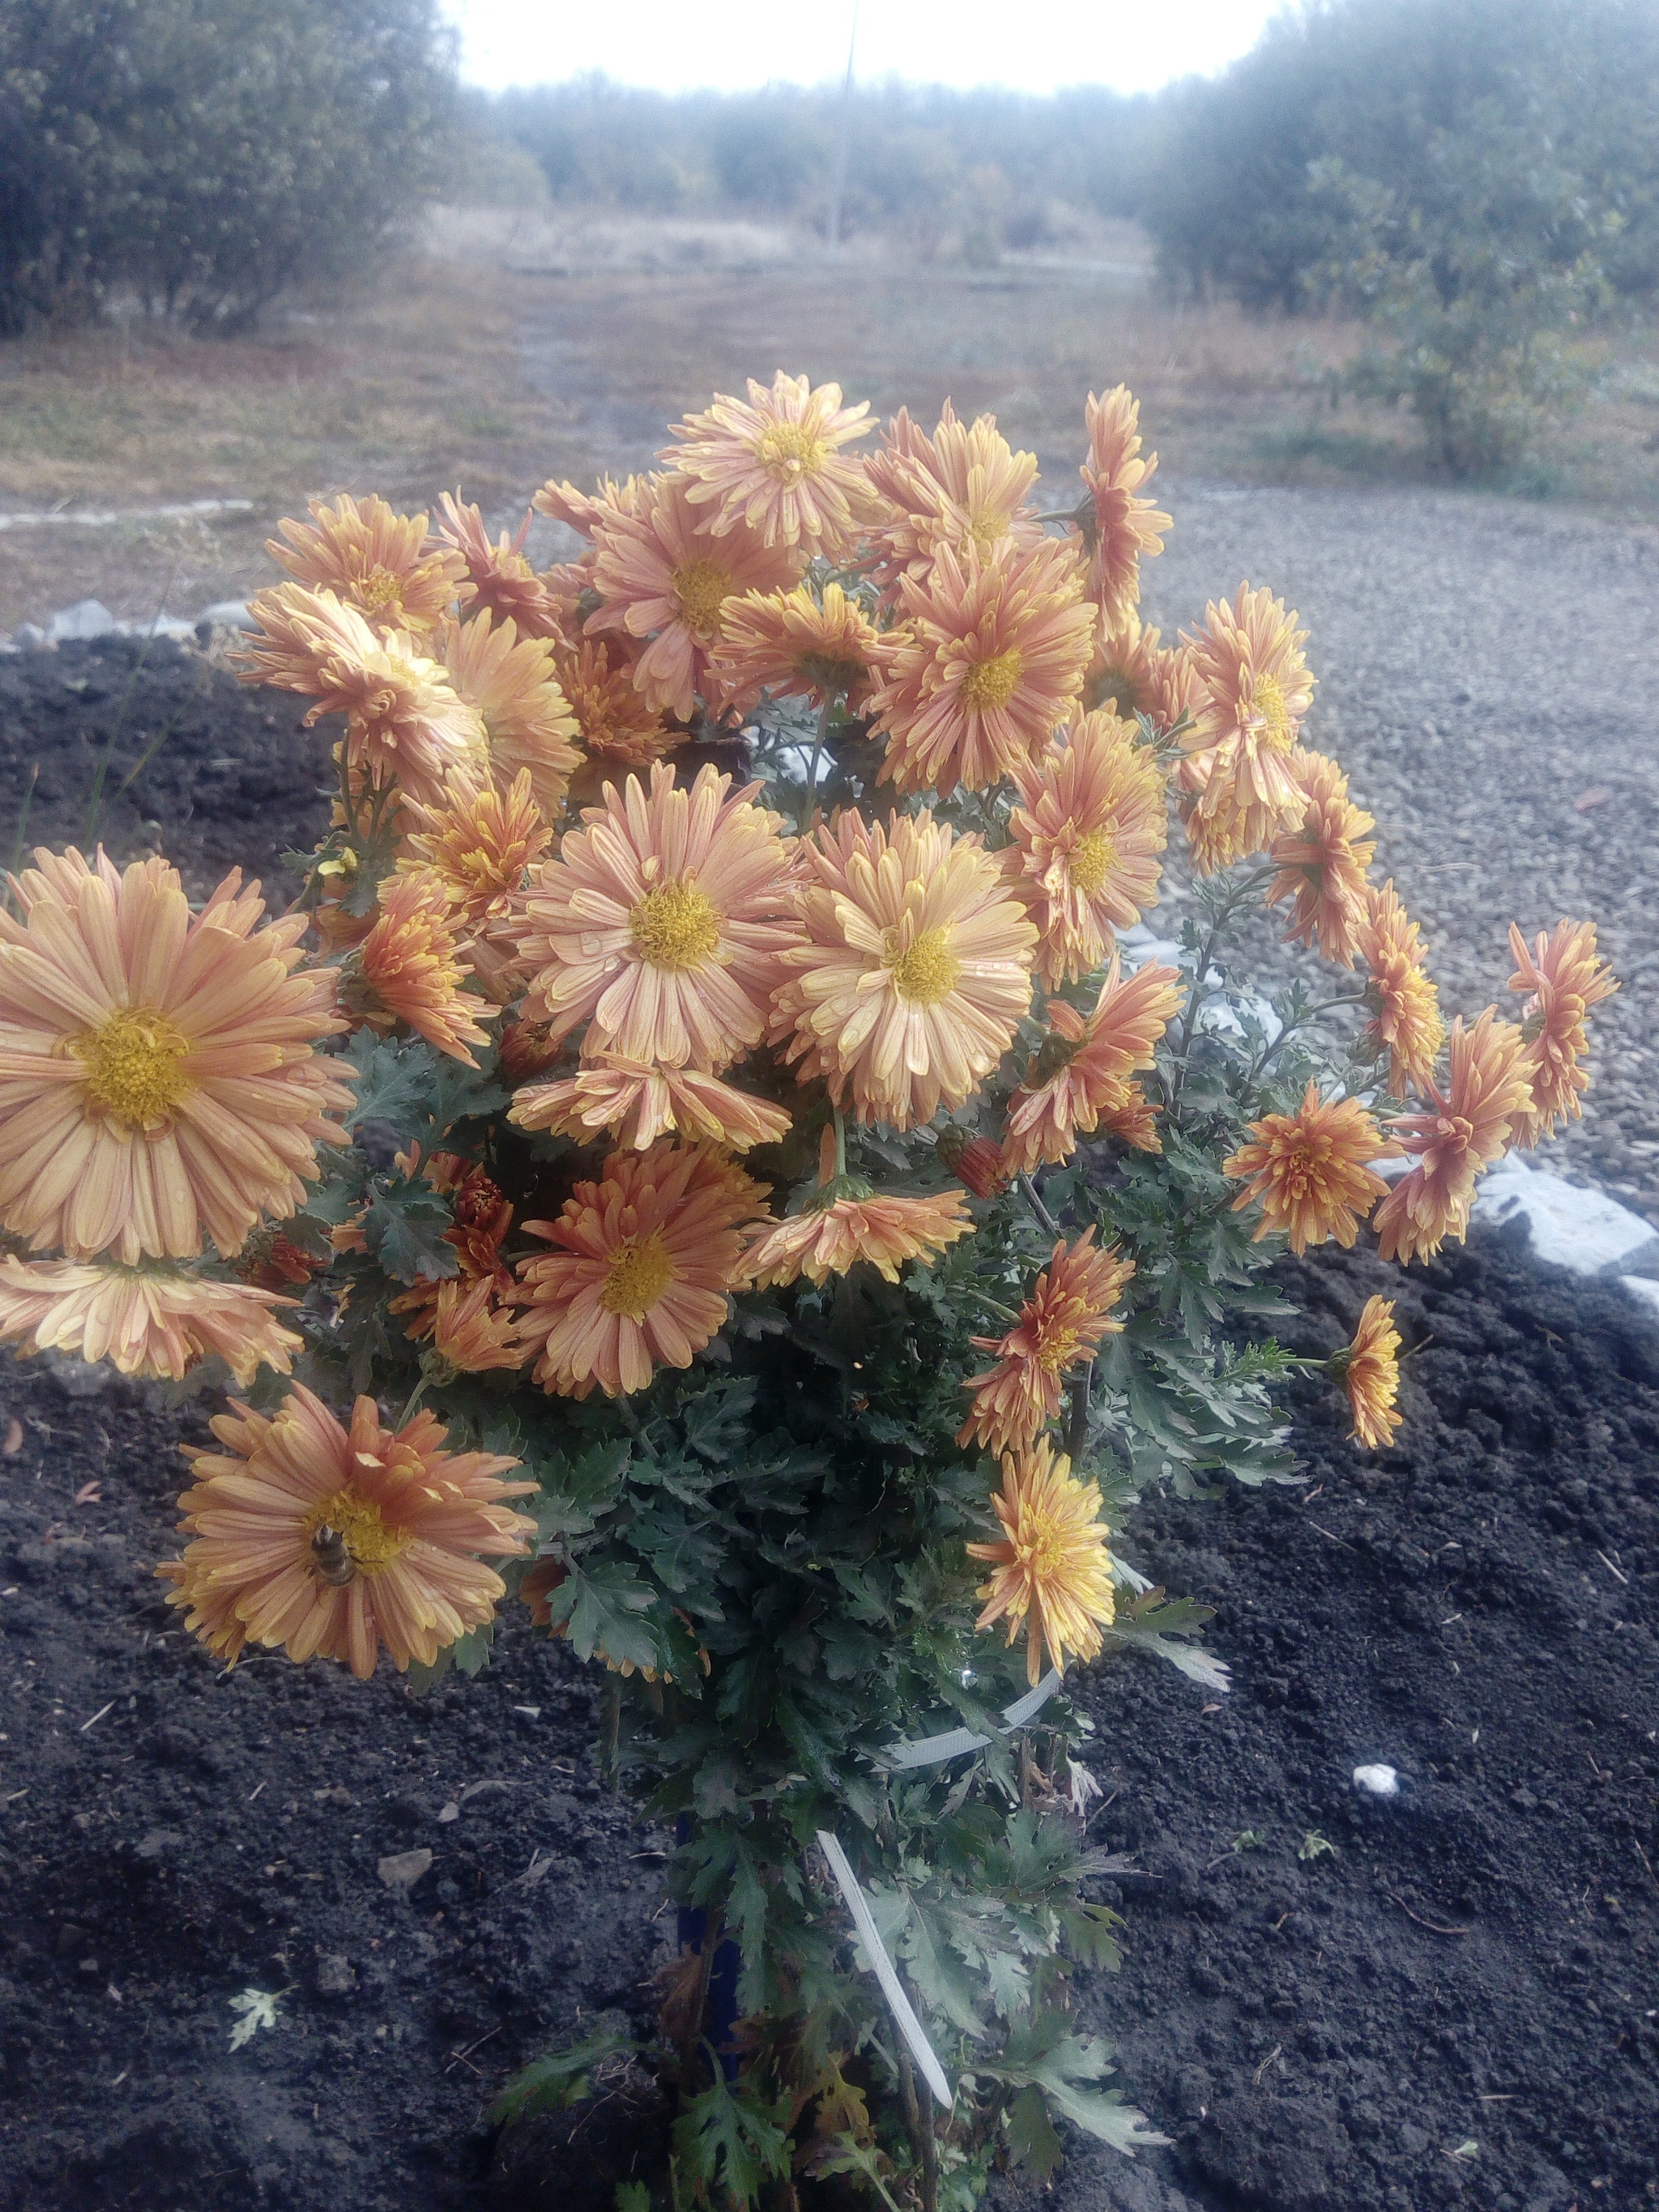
column 729, row 1175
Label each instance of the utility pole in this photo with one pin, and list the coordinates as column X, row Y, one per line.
column 838, row 187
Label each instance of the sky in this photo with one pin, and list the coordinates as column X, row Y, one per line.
column 674, row 46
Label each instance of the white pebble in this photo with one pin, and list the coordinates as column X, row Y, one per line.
column 1380, row 1781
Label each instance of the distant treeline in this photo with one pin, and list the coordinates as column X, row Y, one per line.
column 993, row 169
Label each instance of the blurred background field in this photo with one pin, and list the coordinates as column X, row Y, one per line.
column 540, row 280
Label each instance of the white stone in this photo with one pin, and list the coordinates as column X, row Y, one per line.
column 1646, row 1292
column 1584, row 1229
column 161, row 626
column 29, row 637
column 227, row 614
column 86, row 618
column 1378, row 1781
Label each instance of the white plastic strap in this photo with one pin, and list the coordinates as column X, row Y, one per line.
column 929, row 1750
column 891, row 1988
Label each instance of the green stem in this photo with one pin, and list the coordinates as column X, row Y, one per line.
column 824, row 712
column 840, row 1141
column 414, row 1398
column 1029, row 1189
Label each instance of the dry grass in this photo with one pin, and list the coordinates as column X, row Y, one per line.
column 515, row 348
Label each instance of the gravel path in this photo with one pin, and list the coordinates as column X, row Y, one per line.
column 1489, row 676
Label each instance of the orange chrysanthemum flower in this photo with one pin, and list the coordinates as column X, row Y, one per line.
column 513, row 683
column 1122, row 676
column 1369, row 1370
column 612, row 719
column 408, row 967
column 587, row 511
column 1054, row 1572
column 964, row 486
column 1091, row 825
column 847, row 1219
column 662, row 920
column 787, row 642
column 1308, row 1170
column 646, row 1257
column 480, row 846
column 1061, row 1324
column 405, row 723
column 334, row 1543
column 473, row 1330
column 499, row 580
column 1132, row 1121
column 527, row 1049
column 148, row 1322
column 776, row 466
column 1322, row 864
column 1468, row 1126
column 637, row 1104
column 383, row 564
column 915, row 972
column 1247, row 659
column 157, row 1077
column 1404, row 1004
column 271, row 1261
column 974, row 1161
column 987, row 666
column 665, row 574
column 1565, row 978
column 1081, row 1076
column 1120, row 527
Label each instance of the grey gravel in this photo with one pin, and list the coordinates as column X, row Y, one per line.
column 1483, row 665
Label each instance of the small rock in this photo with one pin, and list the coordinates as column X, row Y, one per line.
column 86, row 618
column 224, row 614
column 403, row 1869
column 1524, row 1799
column 1378, row 1781
column 157, row 1844
column 336, row 1976
column 29, row 637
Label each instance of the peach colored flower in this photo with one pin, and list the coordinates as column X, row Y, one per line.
column 1322, row 864
column 1061, row 1324
column 915, row 970
column 473, row 1330
column 1468, row 1126
column 846, row 1219
column 499, row 580
column 1565, row 979
column 1132, row 1121
column 1090, row 825
column 987, row 665
column 382, row 563
column 645, row 1256
column 661, row 923
column 637, row 1102
column 408, row 967
column 1247, row 659
column 789, row 643
column 587, row 511
column 1121, row 678
column 1082, row 1073
column 612, row 717
column 1369, row 1370
column 480, row 846
column 1308, row 1170
column 158, row 1080
column 1054, row 1572
column 663, row 574
column 1119, row 527
column 318, row 1540
column 149, row 1321
column 964, row 486
column 1404, row 1004
column 776, row 466
column 404, row 722
column 513, row 683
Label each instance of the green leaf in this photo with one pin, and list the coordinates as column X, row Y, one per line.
column 574, row 1492
column 727, row 2139
column 547, row 2085
column 1031, row 2137
column 403, row 1228
column 604, row 1606
column 394, row 1081
column 632, row 2197
column 1041, row 2053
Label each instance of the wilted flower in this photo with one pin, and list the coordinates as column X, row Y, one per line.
column 637, row 1102
column 157, row 1067
column 1054, row 1572
column 1369, row 1370
column 847, row 1219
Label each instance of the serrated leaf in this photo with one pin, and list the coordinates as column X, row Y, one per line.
column 403, row 1229
column 257, row 2008
column 727, row 2139
column 394, row 1081
column 604, row 1607
column 1030, row 2132
column 561, row 2078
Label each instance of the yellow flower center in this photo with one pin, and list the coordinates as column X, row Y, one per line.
column 1267, row 706
column 639, row 1271
column 675, row 925
column 379, row 588
column 1056, row 1350
column 356, row 1521
column 790, row 450
column 1091, row 861
column 1041, row 1547
column 701, row 587
column 928, row 971
column 135, row 1066
column 991, row 682
column 985, row 529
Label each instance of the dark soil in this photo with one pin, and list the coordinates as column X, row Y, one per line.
column 226, row 776
column 1474, row 1963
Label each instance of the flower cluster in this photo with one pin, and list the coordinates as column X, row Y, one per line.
column 763, row 1130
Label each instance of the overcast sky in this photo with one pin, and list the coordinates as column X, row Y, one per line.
column 1033, row 46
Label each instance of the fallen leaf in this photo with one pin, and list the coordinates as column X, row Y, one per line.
column 1597, row 795
column 14, row 1443
column 89, row 1493
column 257, row 2008
column 403, row 1869
column 1208, row 1708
